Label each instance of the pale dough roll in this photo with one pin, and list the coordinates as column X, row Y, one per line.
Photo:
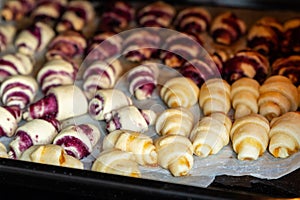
column 180, row 91
column 277, row 96
column 8, row 122
column 215, row 96
column 106, row 100
column 177, row 121
column 50, row 154
column 175, row 153
column 250, row 136
column 139, row 144
column 244, row 95
column 210, row 134
column 115, row 161
column 71, row 101
column 285, row 135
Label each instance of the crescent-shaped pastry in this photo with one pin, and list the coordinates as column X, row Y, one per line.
column 115, row 161
column 175, row 153
column 244, row 96
column 285, row 135
column 179, row 92
column 18, row 90
column 78, row 140
column 3, row 151
column 250, row 136
column 34, row 132
column 51, row 154
column 277, row 96
column 15, row 64
column 142, row 80
column 7, row 35
column 61, row 102
column 107, row 100
column 129, row 118
column 177, row 121
column 215, row 96
column 211, row 134
column 56, row 72
column 137, row 143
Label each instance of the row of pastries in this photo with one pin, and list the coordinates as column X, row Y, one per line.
column 259, row 83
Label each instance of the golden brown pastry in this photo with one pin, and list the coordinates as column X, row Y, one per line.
column 14, row 10
column 179, row 91
column 52, row 155
column 277, row 96
column 210, row 134
column 227, row 27
column 244, row 95
column 250, row 136
column 285, row 135
column 140, row 145
column 175, row 153
column 215, row 96
column 176, row 121
column 3, row 151
column 291, row 42
column 115, row 161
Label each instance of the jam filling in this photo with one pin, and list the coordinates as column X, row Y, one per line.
column 46, row 107
column 96, row 108
column 25, row 140
column 69, row 141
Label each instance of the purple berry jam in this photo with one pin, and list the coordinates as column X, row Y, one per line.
column 95, row 108
column 44, row 108
column 69, row 141
column 25, row 140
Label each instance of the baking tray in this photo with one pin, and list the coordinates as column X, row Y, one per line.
column 35, row 180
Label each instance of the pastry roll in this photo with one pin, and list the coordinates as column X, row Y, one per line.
column 250, row 136
column 180, row 48
column 179, row 91
column 3, row 151
column 101, row 75
column 141, row 45
column 57, row 72
column 265, row 36
column 78, row 140
column 34, row 38
column 175, row 153
column 115, row 161
column 61, row 102
column 14, row 64
column 246, row 63
column 10, row 116
column 18, row 90
column 48, row 11
column 288, row 66
column 277, row 96
column 117, row 17
column 156, row 14
column 7, row 35
column 140, row 145
column 193, row 19
column 227, row 28
column 210, row 134
column 68, row 44
column 200, row 70
column 14, row 10
column 103, row 46
column 142, row 80
column 34, row 132
column 244, row 95
column 76, row 16
column 215, row 96
column 176, row 121
column 291, row 42
column 50, row 154
column 129, row 118
column 107, row 100
column 284, row 135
